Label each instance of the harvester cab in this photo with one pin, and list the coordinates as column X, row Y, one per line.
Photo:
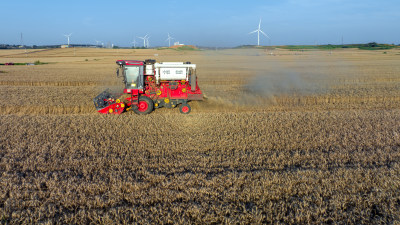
column 132, row 74
column 151, row 85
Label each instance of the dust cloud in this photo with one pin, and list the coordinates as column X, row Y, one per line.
column 111, row 82
column 269, row 75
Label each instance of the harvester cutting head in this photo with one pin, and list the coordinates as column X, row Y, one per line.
column 106, row 103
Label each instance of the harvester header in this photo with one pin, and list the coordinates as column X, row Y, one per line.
column 151, row 85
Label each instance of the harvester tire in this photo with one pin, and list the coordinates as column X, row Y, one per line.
column 185, row 108
column 145, row 106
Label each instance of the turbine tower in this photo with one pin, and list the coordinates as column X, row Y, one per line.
column 258, row 33
column 169, row 40
column 68, row 36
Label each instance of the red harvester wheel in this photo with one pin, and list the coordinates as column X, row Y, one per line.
column 185, row 109
column 145, row 106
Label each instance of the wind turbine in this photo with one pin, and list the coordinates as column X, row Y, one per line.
column 68, row 36
column 258, row 33
column 97, row 42
column 144, row 40
column 147, row 39
column 134, row 42
column 169, row 40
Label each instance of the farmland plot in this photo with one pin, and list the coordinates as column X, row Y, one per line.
column 284, row 137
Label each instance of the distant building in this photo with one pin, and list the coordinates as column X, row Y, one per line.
column 64, row 46
column 177, row 43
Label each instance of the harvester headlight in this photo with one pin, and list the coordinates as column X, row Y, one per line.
column 166, row 100
column 110, row 110
column 122, row 105
column 158, row 92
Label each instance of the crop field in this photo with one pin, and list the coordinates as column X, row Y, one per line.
column 283, row 137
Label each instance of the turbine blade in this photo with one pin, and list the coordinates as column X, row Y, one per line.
column 253, row 31
column 266, row 35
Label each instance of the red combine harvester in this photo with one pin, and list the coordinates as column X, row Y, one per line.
column 150, row 85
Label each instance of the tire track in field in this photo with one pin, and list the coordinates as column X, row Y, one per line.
column 47, row 110
column 48, row 83
column 26, row 53
column 221, row 106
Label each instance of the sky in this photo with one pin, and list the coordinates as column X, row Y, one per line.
column 212, row 23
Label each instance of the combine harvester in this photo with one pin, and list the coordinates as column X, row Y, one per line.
column 150, row 85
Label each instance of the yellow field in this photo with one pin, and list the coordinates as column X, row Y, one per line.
column 283, row 137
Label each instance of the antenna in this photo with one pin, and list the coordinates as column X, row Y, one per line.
column 258, row 33
column 22, row 44
column 68, row 36
column 169, row 40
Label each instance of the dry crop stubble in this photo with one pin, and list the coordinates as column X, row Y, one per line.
column 250, row 164
column 323, row 157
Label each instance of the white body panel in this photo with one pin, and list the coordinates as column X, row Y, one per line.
column 172, row 71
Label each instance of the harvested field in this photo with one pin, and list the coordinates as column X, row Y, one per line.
column 284, row 137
